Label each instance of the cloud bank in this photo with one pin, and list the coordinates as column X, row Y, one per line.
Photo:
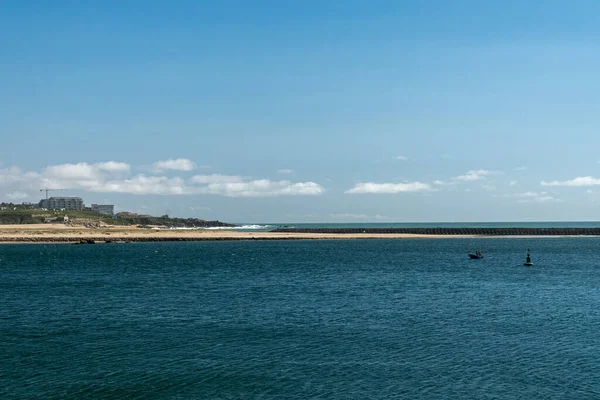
column 389, row 188
column 13, row 196
column 116, row 177
column 535, row 197
column 473, row 175
column 237, row 186
column 179, row 164
column 576, row 182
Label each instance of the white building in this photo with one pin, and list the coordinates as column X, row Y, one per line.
column 62, row 203
column 103, row 208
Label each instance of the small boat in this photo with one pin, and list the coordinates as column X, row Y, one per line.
column 528, row 262
column 476, row 256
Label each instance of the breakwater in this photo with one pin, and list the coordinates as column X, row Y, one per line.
column 95, row 240
column 451, row 231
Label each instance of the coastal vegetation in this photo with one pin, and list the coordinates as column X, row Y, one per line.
column 11, row 215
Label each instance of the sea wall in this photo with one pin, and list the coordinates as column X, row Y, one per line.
column 102, row 240
column 453, row 231
column 93, row 240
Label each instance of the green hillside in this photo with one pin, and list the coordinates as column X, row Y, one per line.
column 20, row 216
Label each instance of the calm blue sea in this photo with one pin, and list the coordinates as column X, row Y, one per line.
column 361, row 319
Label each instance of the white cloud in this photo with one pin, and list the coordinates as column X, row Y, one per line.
column 109, row 178
column 530, row 194
column 512, row 183
column 473, row 175
column 17, row 195
column 79, row 171
column 541, row 199
column 401, row 158
column 579, row 181
column 259, row 188
column 545, row 199
column 489, row 188
column 221, row 185
column 113, row 166
column 80, row 175
column 389, row 188
column 521, row 168
column 285, row 171
column 179, row 164
column 216, row 178
column 535, row 197
column 141, row 184
column 12, row 175
column 443, row 183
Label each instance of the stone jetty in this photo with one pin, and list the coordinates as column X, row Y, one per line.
column 94, row 240
column 451, row 231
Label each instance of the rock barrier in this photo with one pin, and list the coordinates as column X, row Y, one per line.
column 80, row 241
column 452, row 231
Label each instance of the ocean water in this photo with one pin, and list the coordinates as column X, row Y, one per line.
column 546, row 224
column 360, row 319
column 531, row 224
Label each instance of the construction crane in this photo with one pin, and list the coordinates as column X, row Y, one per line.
column 49, row 190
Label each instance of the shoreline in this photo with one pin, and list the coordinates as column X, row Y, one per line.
column 127, row 240
column 60, row 233
column 468, row 231
column 60, row 239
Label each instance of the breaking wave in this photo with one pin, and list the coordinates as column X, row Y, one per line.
column 216, row 228
column 242, row 227
column 249, row 227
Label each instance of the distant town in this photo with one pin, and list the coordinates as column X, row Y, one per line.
column 72, row 210
column 62, row 204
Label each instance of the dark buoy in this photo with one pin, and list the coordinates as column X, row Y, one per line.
column 528, row 262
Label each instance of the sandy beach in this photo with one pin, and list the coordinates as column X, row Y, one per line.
column 64, row 233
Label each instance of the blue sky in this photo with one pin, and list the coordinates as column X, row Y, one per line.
column 273, row 111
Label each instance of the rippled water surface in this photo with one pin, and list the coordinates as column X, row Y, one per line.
column 411, row 319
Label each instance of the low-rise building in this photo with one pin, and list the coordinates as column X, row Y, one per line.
column 62, row 203
column 127, row 214
column 108, row 209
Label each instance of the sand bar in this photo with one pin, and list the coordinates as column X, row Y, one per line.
column 39, row 233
